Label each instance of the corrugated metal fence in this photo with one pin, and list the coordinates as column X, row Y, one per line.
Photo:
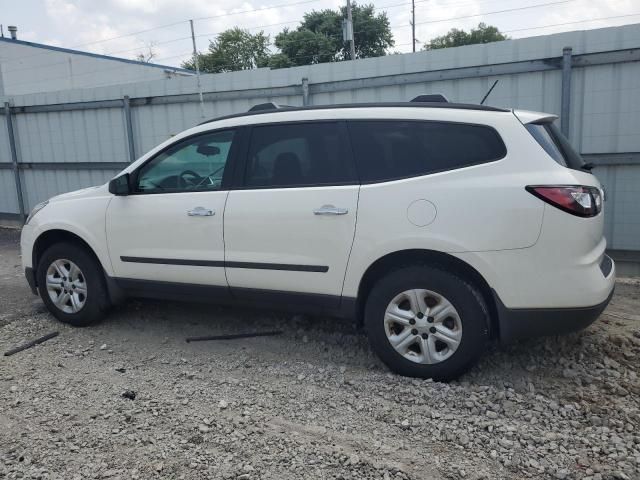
column 70, row 139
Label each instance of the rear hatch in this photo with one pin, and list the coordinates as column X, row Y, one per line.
column 582, row 195
column 573, row 224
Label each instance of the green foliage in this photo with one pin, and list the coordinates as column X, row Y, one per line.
column 304, row 46
column 234, row 49
column 319, row 37
column 279, row 60
column 456, row 38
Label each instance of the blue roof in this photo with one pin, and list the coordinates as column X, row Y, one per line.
column 94, row 55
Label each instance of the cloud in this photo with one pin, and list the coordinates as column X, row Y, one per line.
column 104, row 26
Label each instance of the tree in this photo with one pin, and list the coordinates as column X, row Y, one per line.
column 234, row 49
column 304, row 47
column 319, row 39
column 456, row 38
column 148, row 55
column 279, row 60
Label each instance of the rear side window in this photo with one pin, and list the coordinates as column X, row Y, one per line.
column 387, row 150
column 302, row 154
column 549, row 136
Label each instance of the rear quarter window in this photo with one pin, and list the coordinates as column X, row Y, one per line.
column 551, row 139
column 386, row 150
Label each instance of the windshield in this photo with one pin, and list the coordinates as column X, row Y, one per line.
column 549, row 136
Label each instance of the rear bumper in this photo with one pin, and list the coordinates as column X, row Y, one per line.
column 522, row 323
column 31, row 279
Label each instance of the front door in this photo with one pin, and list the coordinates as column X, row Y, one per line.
column 290, row 225
column 170, row 228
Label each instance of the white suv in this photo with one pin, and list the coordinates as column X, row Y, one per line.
column 439, row 226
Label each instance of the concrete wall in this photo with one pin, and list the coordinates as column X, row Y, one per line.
column 74, row 138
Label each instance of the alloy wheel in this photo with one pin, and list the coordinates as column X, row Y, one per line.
column 66, row 286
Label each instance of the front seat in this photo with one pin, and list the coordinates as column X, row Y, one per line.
column 287, row 170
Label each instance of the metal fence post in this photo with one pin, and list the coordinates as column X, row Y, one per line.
column 565, row 107
column 14, row 158
column 126, row 105
column 305, row 91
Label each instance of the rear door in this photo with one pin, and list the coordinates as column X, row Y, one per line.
column 289, row 227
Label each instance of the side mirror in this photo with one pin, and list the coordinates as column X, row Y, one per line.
column 120, row 185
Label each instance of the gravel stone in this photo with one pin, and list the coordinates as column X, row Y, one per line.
column 563, row 408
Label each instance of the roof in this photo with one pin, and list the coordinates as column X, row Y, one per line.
column 93, row 55
column 454, row 106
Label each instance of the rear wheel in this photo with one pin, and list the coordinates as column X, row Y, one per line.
column 426, row 322
column 71, row 284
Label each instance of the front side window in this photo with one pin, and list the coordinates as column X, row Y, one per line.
column 302, row 154
column 386, row 150
column 196, row 164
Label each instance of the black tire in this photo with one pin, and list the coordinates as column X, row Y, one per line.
column 465, row 298
column 97, row 299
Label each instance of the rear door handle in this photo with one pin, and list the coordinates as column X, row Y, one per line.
column 330, row 210
column 200, row 212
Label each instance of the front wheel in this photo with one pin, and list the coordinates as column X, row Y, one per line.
column 425, row 322
column 71, row 284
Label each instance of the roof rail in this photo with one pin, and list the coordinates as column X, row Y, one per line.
column 267, row 106
column 273, row 108
column 431, row 98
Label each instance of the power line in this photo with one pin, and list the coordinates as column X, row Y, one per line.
column 291, row 4
column 278, row 6
column 158, row 27
column 505, row 31
column 130, row 34
column 496, row 12
column 589, row 20
column 62, row 62
column 203, row 35
column 397, row 45
column 357, row 31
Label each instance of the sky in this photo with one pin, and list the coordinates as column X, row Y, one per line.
column 125, row 28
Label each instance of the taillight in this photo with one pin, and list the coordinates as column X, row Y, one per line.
column 575, row 199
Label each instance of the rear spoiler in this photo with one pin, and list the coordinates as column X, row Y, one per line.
column 527, row 116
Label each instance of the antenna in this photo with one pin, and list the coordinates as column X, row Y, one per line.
column 489, row 92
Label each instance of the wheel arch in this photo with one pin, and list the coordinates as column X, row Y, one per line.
column 53, row 236
column 403, row 258
column 58, row 235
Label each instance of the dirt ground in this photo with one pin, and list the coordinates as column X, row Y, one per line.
column 311, row 403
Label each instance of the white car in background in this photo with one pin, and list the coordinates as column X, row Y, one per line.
column 439, row 225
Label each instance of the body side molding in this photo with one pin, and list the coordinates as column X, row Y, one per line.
column 229, row 264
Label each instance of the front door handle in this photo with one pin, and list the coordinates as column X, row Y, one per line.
column 200, row 212
column 330, row 210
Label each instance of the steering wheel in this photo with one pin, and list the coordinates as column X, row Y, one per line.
column 213, row 182
column 187, row 182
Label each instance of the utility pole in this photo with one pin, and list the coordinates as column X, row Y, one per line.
column 197, row 64
column 413, row 24
column 350, row 30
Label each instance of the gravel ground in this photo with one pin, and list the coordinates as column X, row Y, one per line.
column 311, row 403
